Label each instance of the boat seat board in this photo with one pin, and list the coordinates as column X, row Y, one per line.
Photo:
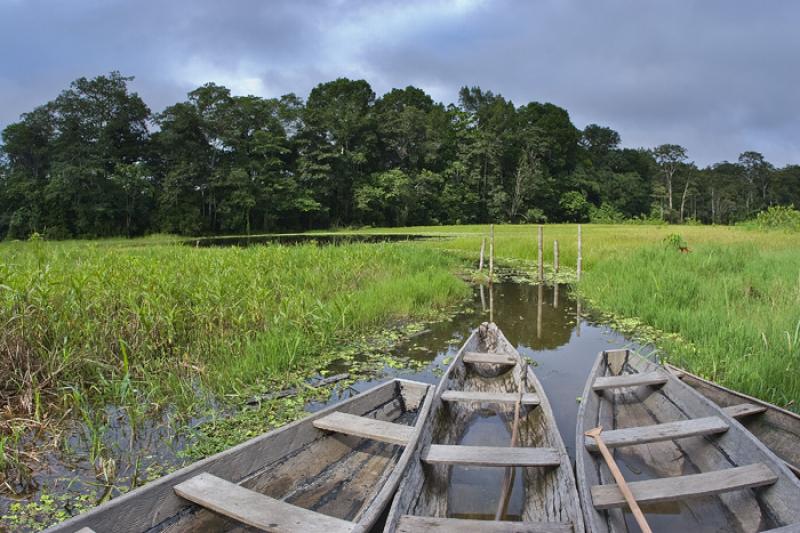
column 653, row 378
column 368, row 428
column 256, row 509
column 681, row 487
column 744, row 409
column 415, row 524
column 491, row 455
column 659, row 432
column 528, row 398
column 493, row 358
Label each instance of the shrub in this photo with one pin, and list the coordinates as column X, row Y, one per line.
column 784, row 217
column 605, row 214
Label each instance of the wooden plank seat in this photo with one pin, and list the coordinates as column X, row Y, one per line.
column 529, row 398
column 653, row 378
column 368, row 428
column 491, row 455
column 256, row 509
column 681, row 487
column 744, row 409
column 491, row 358
column 415, row 524
column 659, row 432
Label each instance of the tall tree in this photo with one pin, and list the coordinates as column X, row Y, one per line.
column 669, row 157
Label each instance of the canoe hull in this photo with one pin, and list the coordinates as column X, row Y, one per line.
column 750, row 510
column 338, row 475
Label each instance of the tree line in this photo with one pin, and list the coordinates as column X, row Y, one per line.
column 97, row 161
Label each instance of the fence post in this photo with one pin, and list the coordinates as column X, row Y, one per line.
column 580, row 253
column 555, row 257
column 483, row 247
column 541, row 256
column 491, row 254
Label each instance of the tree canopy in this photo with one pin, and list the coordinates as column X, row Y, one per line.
column 96, row 161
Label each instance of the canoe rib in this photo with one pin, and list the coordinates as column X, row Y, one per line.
column 415, row 524
column 659, row 432
column 368, row 428
column 255, row 509
column 491, row 455
column 654, row 378
column 528, row 398
column 680, row 487
column 744, row 409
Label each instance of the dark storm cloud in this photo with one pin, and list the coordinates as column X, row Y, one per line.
column 719, row 77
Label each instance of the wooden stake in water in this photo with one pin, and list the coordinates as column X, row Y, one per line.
column 541, row 256
column 491, row 253
column 580, row 253
column 483, row 247
column 555, row 295
column 540, row 298
column 555, row 257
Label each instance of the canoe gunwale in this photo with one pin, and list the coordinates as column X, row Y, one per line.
column 155, row 503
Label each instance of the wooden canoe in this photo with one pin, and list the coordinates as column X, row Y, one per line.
column 333, row 471
column 689, row 465
column 454, row 481
column 777, row 428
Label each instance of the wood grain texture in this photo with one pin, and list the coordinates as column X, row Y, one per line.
column 528, row 398
column 491, row 455
column 254, row 509
column 657, row 432
column 489, row 358
column 744, row 409
column 364, row 427
column 679, row 487
column 417, row 524
column 631, row 380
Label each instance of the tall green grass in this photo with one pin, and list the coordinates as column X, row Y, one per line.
column 121, row 323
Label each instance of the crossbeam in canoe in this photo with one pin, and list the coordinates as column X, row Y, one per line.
column 654, row 379
column 744, row 409
column 682, row 487
column 489, row 358
column 491, row 455
column 528, row 398
column 256, row 509
column 368, row 428
column 659, row 432
column 415, row 524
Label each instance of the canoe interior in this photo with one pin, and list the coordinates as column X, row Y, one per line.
column 746, row 510
column 777, row 428
column 338, row 475
column 541, row 494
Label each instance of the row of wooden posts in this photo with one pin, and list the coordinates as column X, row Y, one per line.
column 540, row 259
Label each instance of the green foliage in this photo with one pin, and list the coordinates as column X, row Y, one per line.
column 779, row 217
column 605, row 214
column 675, row 241
column 575, row 206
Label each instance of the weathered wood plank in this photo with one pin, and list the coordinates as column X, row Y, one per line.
column 528, row 398
column 744, row 409
column 255, row 509
column 493, row 358
column 791, row 528
column 415, row 524
column 491, row 455
column 657, row 432
column 85, row 530
column 364, row 427
column 654, row 378
column 679, row 487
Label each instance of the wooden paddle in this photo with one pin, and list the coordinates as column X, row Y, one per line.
column 508, row 478
column 621, row 483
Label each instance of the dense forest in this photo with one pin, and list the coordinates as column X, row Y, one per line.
column 97, row 161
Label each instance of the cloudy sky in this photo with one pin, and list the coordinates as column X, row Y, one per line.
column 717, row 76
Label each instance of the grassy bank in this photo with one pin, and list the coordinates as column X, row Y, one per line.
column 143, row 325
